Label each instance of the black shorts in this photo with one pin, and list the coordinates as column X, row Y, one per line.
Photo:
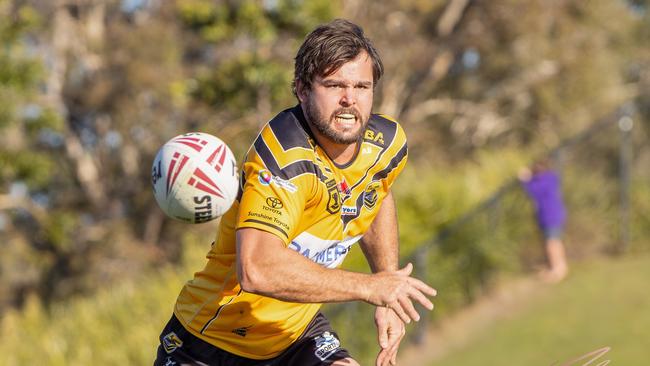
column 318, row 345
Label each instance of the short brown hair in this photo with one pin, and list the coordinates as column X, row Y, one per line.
column 328, row 47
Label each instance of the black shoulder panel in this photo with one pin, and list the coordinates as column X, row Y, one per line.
column 380, row 131
column 288, row 130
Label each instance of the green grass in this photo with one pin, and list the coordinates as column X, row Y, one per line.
column 603, row 303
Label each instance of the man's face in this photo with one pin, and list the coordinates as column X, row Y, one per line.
column 338, row 105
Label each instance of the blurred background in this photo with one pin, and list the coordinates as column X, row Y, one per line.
column 89, row 90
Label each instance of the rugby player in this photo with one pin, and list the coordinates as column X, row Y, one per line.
column 315, row 181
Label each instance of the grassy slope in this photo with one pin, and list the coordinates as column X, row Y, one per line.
column 603, row 303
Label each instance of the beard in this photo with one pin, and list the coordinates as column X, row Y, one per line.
column 324, row 124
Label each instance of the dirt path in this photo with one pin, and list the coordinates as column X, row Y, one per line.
column 462, row 327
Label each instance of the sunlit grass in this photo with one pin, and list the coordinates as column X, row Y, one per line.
column 603, row 303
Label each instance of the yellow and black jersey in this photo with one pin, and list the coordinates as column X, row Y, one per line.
column 292, row 189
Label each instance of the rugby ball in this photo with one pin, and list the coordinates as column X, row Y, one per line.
column 194, row 177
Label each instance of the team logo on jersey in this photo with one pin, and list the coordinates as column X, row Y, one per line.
column 334, row 201
column 370, row 195
column 171, row 342
column 326, row 345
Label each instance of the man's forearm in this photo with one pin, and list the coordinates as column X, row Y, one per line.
column 286, row 275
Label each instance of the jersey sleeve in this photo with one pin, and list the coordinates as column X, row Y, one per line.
column 271, row 203
column 399, row 155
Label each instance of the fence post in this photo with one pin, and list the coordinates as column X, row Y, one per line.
column 625, row 125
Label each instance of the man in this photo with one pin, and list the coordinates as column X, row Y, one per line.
column 316, row 180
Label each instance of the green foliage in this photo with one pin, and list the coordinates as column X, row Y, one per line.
column 118, row 326
column 241, row 80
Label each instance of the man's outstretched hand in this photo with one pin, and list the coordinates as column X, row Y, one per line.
column 397, row 290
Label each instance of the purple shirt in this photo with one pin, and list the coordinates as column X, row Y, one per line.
column 544, row 190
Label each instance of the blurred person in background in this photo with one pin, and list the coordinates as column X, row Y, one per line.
column 543, row 186
column 316, row 181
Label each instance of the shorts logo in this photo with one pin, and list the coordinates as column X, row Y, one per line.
column 326, row 345
column 171, row 342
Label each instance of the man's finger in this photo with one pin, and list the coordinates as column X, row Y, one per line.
column 382, row 358
column 407, row 305
column 422, row 287
column 393, row 359
column 397, row 308
column 419, row 297
column 391, row 355
column 382, row 332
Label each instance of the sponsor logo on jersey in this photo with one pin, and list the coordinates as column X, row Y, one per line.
column 278, row 223
column 202, row 208
column 376, row 137
column 349, row 210
column 267, row 178
column 326, row 345
column 325, row 256
column 334, row 200
column 274, row 202
column 171, row 342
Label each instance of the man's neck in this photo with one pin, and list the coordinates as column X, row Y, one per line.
column 341, row 154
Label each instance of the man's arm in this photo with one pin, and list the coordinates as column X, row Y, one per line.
column 267, row 267
column 380, row 241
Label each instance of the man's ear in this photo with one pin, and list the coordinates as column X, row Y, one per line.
column 301, row 91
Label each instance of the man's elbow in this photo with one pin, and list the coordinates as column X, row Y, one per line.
column 252, row 280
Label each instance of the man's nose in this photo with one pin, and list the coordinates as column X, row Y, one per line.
column 348, row 97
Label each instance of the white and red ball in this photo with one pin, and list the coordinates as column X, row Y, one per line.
column 194, row 177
